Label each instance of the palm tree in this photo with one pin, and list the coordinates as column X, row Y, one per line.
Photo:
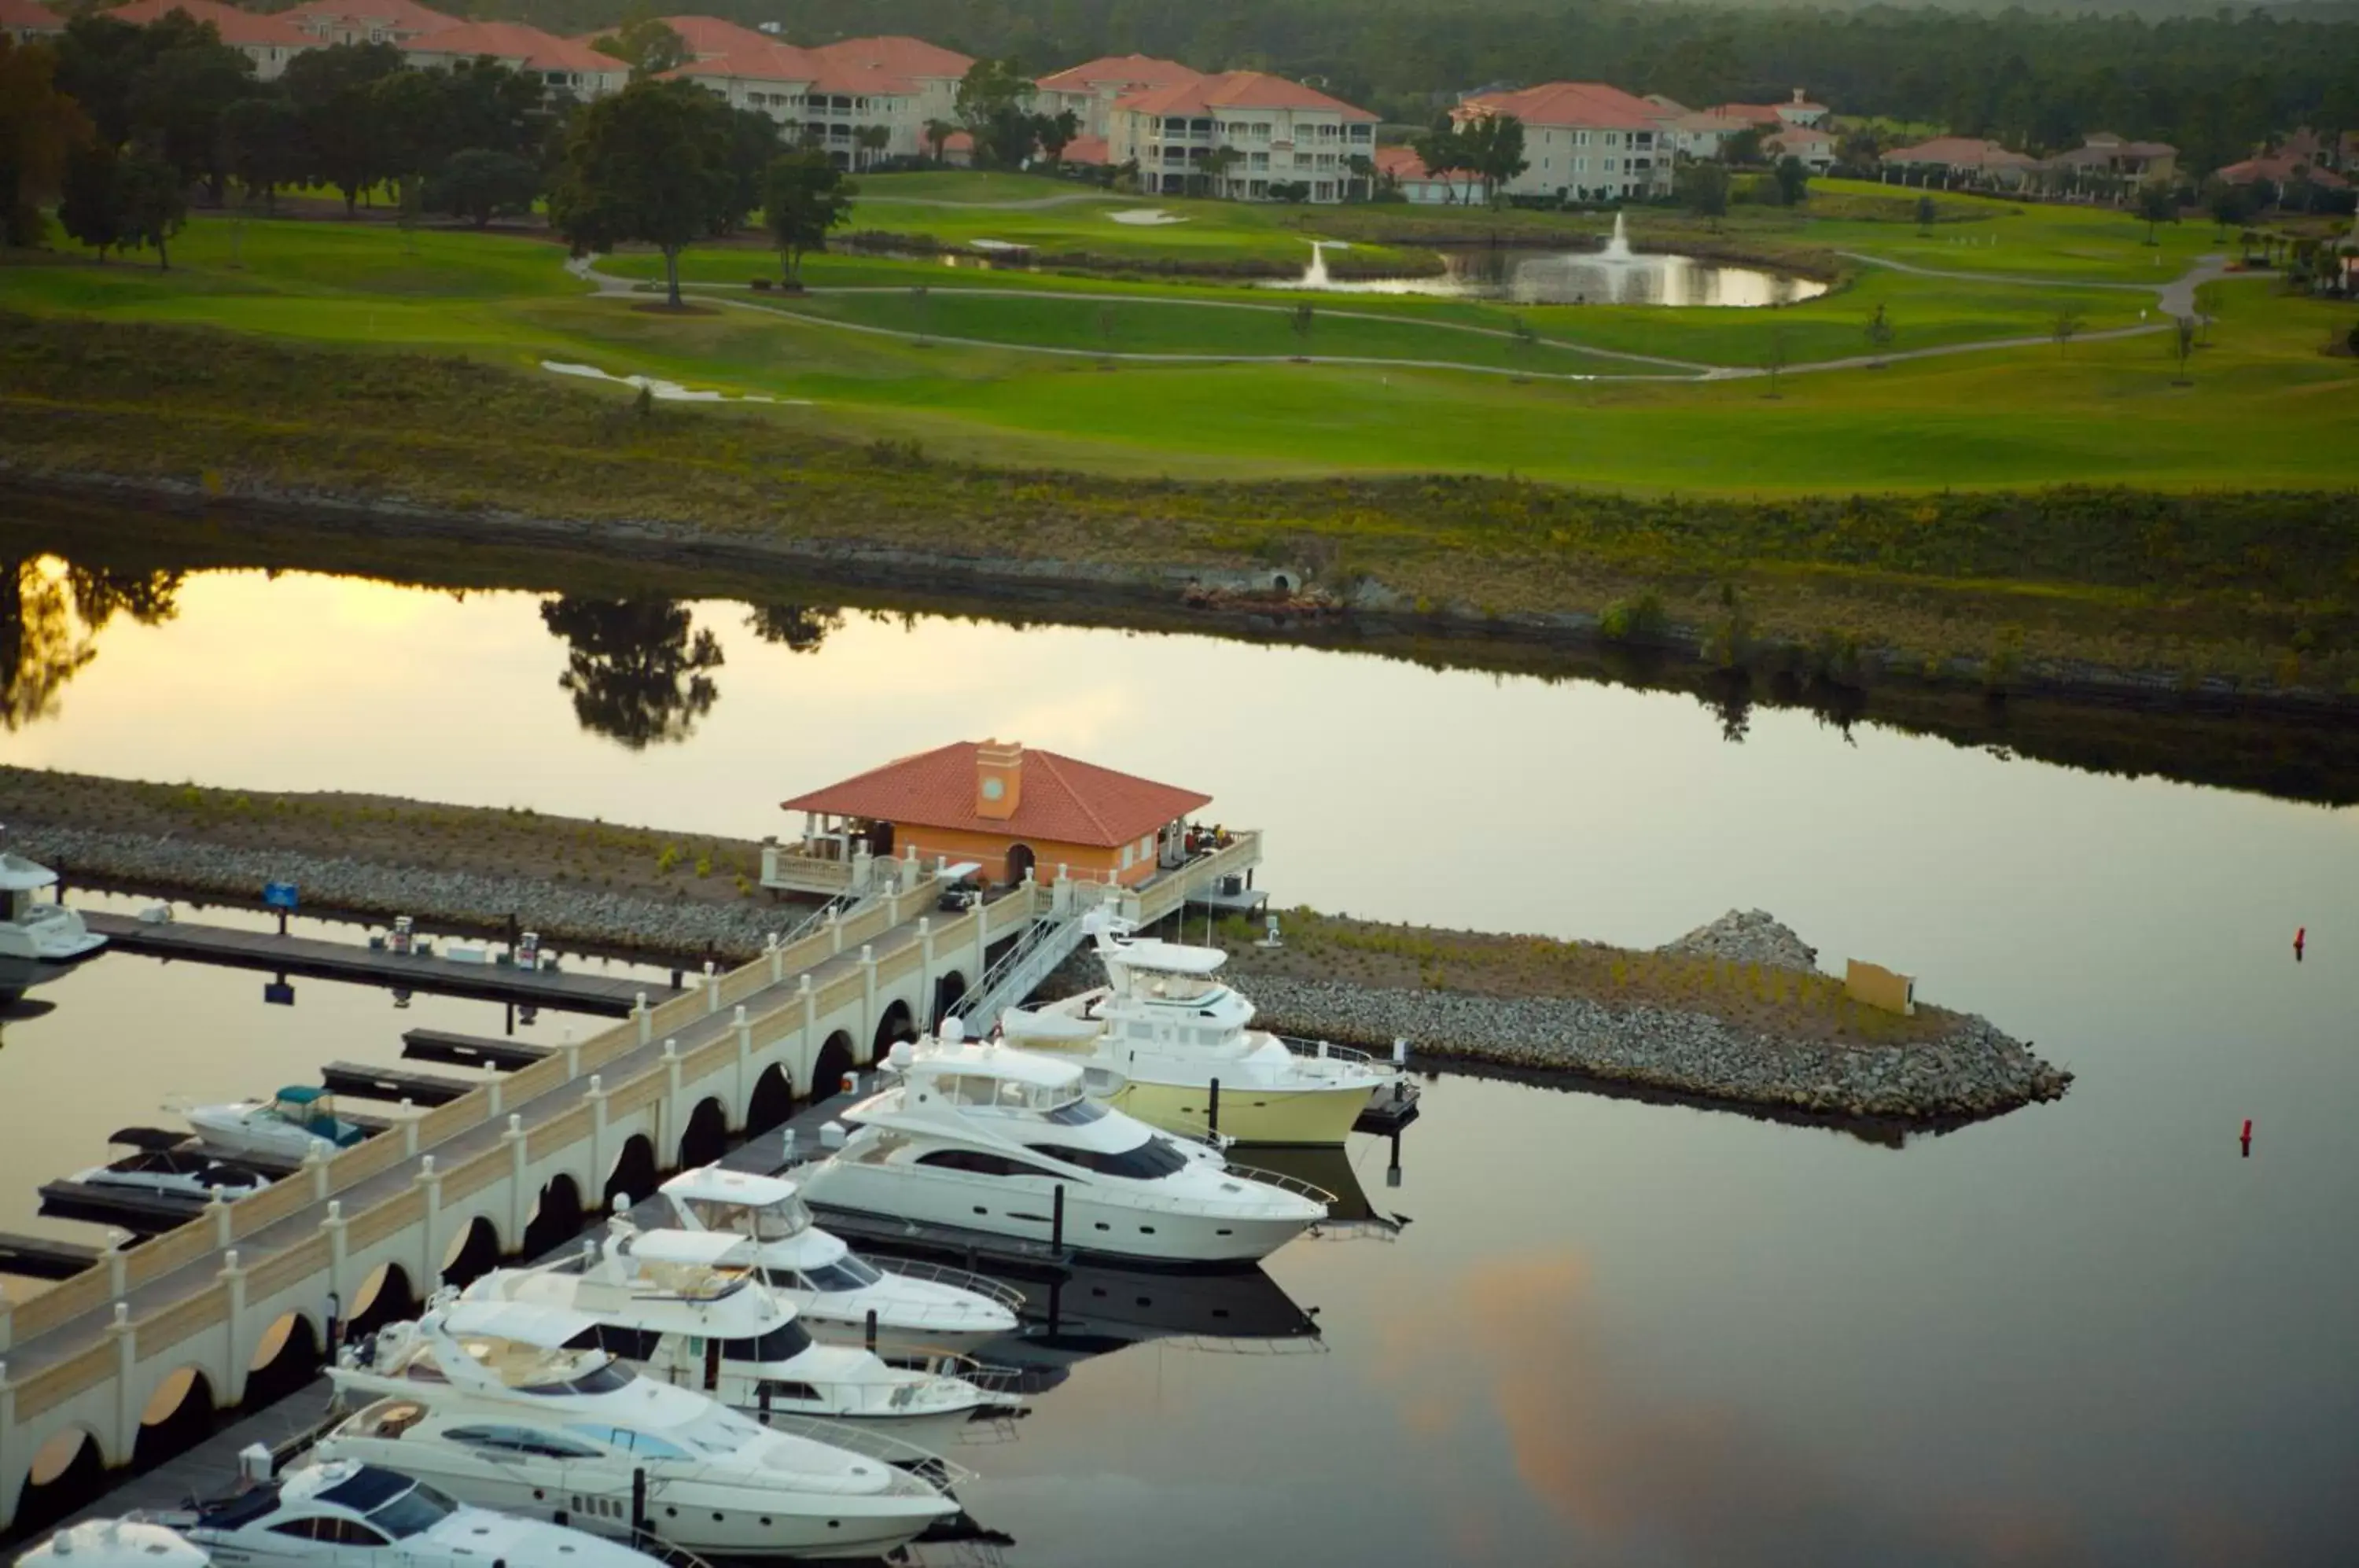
column 1363, row 175
column 872, row 140
column 938, row 133
column 1216, row 166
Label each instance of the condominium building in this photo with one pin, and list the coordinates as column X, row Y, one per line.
column 564, row 65
column 1243, row 133
column 931, row 71
column 1583, row 140
column 366, row 21
column 864, row 100
column 268, row 41
column 1090, row 90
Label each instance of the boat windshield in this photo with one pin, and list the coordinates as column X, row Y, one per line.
column 1157, row 1157
column 602, row 1378
column 410, row 1508
column 846, row 1273
column 983, row 1091
column 767, row 1222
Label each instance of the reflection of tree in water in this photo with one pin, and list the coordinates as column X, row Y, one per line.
column 49, row 622
column 635, row 667
column 802, row 627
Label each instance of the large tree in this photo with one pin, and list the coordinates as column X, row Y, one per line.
column 480, row 184
column 153, row 205
column 651, row 164
column 39, row 129
column 90, row 206
column 1494, row 152
column 2157, row 203
column 179, row 102
column 807, row 195
column 646, row 41
column 995, row 104
column 1444, row 151
column 1703, row 188
column 263, row 136
column 347, row 143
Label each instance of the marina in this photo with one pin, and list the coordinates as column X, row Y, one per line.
column 1698, row 1307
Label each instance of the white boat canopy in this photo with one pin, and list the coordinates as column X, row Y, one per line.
column 523, row 1322
column 1017, row 1023
column 695, row 1248
column 712, row 1185
column 18, row 875
column 994, row 1061
column 1169, row 957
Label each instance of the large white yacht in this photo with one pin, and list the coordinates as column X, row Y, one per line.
column 1164, row 1029
column 684, row 1306
column 482, row 1400
column 983, row 1137
column 37, row 938
column 347, row 1515
column 918, row 1307
column 115, row 1544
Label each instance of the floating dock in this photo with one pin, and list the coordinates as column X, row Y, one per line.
column 606, row 996
column 143, row 1212
column 39, row 1257
column 361, row 1081
column 471, row 1049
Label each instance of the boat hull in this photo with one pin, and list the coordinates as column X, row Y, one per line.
column 1248, row 1114
column 707, row 1519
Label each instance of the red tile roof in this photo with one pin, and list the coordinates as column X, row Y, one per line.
column 1401, row 163
column 1130, row 72
column 25, row 16
column 513, row 42
column 2282, row 167
column 896, row 56
column 1236, row 90
column 1088, row 149
column 400, row 16
column 235, row 26
column 1754, row 114
column 1060, row 799
column 1959, row 152
column 765, row 61
column 860, row 78
column 1585, row 103
column 709, row 36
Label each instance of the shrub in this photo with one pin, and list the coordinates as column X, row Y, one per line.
column 1634, row 620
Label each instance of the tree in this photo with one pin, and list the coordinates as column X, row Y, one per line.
column 1215, row 169
column 480, row 184
column 651, row 163
column 1493, row 148
column 646, row 41
column 1927, row 211
column 2062, row 326
column 1302, row 318
column 49, row 624
column 635, row 668
column 2226, row 204
column 178, row 102
column 90, row 208
column 806, row 196
column 800, row 629
column 752, row 143
column 346, row 142
column 153, row 205
column 1742, row 147
column 1055, row 133
column 263, row 143
column 2156, row 203
column 1880, row 334
column 993, row 104
column 1294, row 190
column 2182, row 345
column 41, row 128
column 1702, row 190
column 1793, row 181
column 938, row 136
column 1362, row 187
column 1443, row 150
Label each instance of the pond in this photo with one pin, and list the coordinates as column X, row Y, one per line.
column 1614, row 275
column 1615, row 1333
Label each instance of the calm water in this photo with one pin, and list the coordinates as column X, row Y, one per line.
column 1527, row 277
column 1615, row 1333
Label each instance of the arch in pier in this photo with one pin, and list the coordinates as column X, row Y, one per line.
column 288, row 1356
column 706, row 1138
column 557, row 1216
column 1020, row 860
column 898, row 1024
column 386, row 1296
column 947, row 992
column 68, row 1473
column 834, row 1059
column 471, row 1253
column 633, row 1176
column 179, row 1414
column 773, row 1100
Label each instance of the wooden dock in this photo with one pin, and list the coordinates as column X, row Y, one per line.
column 363, row 1082
column 148, row 1214
column 471, row 1049
column 39, row 1257
column 606, row 996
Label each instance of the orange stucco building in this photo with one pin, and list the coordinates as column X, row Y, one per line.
column 1008, row 809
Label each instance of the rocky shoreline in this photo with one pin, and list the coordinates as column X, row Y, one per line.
column 1971, row 1069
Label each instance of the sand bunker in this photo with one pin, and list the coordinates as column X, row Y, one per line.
column 1147, row 217
column 662, row 391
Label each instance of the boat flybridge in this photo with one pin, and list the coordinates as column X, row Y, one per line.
column 115, row 1544
column 1165, row 1029
column 918, row 1307
column 684, row 1306
column 287, row 1126
column 985, row 1137
column 491, row 1403
column 37, row 938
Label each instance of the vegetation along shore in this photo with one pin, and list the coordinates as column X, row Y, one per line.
column 1735, row 1012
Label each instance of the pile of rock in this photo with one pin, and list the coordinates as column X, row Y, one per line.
column 1746, row 936
column 560, row 913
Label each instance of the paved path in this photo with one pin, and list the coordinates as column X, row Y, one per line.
column 2177, row 295
column 1029, row 204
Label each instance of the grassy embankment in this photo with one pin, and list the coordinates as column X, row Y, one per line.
column 2237, row 585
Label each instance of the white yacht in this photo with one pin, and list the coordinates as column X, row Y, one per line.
column 482, row 1400
column 287, row 1126
column 983, row 1138
column 918, row 1307
column 1165, row 1029
column 684, row 1306
column 114, row 1544
column 34, row 935
column 343, row 1514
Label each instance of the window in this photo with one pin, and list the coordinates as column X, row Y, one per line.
column 1155, row 1159
column 846, row 1273
column 351, row 1532
column 981, row 1164
column 630, row 1442
column 631, row 1343
column 521, row 1439
column 419, row 1508
column 783, row 1343
column 301, row 1528
column 781, row 1389
column 1078, row 1113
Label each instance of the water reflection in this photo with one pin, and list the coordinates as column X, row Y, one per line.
column 638, row 668
column 52, row 611
column 800, row 629
column 1577, row 277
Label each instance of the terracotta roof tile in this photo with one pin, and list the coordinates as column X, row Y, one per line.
column 25, row 16
column 898, row 56
column 1060, row 800
column 1959, row 152
column 513, row 42
column 401, row 16
column 1236, row 90
column 1136, row 72
column 235, row 26
column 765, row 61
column 1587, row 104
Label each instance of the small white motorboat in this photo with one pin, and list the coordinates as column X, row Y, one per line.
column 178, row 1173
column 284, row 1128
column 37, row 940
column 918, row 1306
